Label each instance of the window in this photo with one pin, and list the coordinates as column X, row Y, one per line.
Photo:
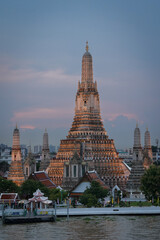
column 27, row 171
column 67, row 171
column 74, row 171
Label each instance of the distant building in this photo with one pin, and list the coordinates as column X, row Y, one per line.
column 45, row 153
column 5, row 153
column 126, row 155
column 156, row 154
column 23, row 151
column 37, row 149
column 52, row 149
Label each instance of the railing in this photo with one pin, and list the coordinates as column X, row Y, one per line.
column 45, row 211
column 15, row 212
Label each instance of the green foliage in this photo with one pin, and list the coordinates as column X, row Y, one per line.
column 7, row 186
column 30, row 186
column 92, row 195
column 88, row 200
column 150, row 182
column 97, row 190
column 55, row 194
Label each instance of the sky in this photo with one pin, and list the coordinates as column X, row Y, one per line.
column 41, row 47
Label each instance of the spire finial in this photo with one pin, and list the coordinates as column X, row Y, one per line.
column 87, row 46
column 137, row 124
column 16, row 126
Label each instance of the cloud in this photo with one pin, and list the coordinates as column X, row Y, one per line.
column 27, row 127
column 41, row 113
column 9, row 74
column 113, row 116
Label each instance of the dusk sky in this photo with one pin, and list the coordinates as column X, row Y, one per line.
column 41, row 47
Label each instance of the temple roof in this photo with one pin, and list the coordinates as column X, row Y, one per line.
column 86, row 181
column 42, row 177
column 9, row 197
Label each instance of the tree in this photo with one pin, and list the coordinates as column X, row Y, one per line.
column 150, row 182
column 30, row 186
column 55, row 194
column 93, row 195
column 7, row 186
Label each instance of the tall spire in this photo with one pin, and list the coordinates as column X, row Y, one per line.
column 87, row 46
column 87, row 69
column 147, row 139
column 45, row 140
column 16, row 139
column 137, row 136
column 16, row 169
column 137, row 148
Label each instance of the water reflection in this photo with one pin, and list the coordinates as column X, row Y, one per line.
column 116, row 227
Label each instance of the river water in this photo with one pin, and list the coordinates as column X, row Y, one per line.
column 80, row 228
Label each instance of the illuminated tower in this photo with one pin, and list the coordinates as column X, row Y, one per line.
column 87, row 136
column 45, row 152
column 16, row 169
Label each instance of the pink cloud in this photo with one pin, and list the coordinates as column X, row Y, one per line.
column 27, row 127
column 42, row 113
column 113, row 116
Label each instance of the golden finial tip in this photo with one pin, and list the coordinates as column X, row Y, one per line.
column 87, row 46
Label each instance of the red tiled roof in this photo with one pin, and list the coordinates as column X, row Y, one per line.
column 42, row 177
column 9, row 197
column 93, row 176
column 89, row 177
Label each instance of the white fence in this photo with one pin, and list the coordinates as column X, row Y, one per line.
column 14, row 212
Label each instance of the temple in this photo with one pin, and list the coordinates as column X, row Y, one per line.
column 87, row 138
column 16, row 173
column 142, row 159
